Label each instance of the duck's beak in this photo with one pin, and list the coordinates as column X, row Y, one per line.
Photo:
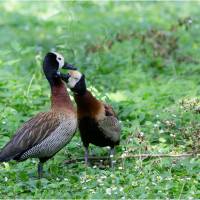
column 65, row 77
column 69, row 66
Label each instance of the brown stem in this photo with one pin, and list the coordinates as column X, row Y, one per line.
column 135, row 156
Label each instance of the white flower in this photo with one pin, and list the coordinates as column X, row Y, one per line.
column 141, row 134
column 167, row 122
column 114, row 188
column 109, row 191
column 190, row 21
column 123, row 155
column 172, row 135
column 161, row 131
column 99, row 180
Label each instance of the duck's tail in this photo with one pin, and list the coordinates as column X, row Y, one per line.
column 3, row 157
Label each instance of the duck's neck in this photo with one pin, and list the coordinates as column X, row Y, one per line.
column 60, row 99
column 87, row 104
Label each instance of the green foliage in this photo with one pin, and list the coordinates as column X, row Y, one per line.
column 143, row 58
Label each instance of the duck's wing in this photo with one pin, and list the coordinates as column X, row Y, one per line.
column 110, row 125
column 109, row 110
column 33, row 132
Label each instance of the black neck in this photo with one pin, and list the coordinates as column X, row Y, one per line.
column 79, row 92
column 80, row 88
column 54, row 80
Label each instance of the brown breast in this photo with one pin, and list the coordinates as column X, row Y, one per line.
column 89, row 106
column 60, row 99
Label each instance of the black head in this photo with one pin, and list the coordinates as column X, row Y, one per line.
column 52, row 63
column 75, row 81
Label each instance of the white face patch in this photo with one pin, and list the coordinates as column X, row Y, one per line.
column 74, row 78
column 60, row 59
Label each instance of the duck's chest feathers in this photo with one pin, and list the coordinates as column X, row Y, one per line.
column 91, row 133
column 96, row 112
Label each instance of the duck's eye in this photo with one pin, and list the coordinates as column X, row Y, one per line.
column 59, row 58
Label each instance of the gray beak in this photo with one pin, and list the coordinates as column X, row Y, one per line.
column 69, row 66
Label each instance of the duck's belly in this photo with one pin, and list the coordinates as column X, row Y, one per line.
column 90, row 133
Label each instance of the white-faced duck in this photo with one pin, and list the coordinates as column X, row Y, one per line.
column 48, row 132
column 97, row 121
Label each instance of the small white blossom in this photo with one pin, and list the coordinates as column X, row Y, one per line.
column 114, row 188
column 123, row 155
column 173, row 135
column 108, row 191
column 141, row 134
column 189, row 21
column 161, row 131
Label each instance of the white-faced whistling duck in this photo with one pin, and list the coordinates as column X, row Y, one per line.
column 97, row 121
column 48, row 132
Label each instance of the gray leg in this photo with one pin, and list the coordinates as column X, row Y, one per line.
column 40, row 170
column 112, row 151
column 86, row 155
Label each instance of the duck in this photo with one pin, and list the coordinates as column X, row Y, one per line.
column 48, row 132
column 97, row 121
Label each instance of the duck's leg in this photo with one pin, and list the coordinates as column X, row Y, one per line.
column 112, row 151
column 86, row 154
column 40, row 169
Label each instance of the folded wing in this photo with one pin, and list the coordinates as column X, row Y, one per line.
column 110, row 125
column 29, row 135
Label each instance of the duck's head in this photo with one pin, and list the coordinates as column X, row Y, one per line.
column 75, row 81
column 52, row 63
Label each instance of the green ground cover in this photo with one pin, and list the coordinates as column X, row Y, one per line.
column 143, row 58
